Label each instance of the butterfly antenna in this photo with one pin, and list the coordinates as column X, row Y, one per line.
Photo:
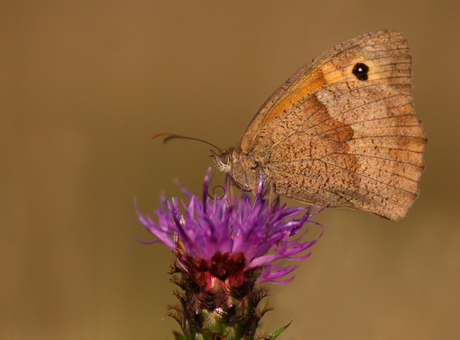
column 170, row 136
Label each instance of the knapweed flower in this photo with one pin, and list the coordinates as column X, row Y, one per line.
column 224, row 247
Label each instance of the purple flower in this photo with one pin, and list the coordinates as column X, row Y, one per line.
column 227, row 237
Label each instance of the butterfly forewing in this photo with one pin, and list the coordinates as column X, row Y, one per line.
column 386, row 51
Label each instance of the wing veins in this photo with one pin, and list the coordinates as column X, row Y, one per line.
column 390, row 136
column 344, row 126
column 300, row 129
column 370, row 120
column 348, row 110
column 377, row 157
column 335, row 192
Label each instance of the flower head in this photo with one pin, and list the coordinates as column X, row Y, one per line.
column 227, row 232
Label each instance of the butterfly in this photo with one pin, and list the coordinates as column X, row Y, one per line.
column 340, row 132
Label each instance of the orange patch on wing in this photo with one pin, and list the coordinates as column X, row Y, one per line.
column 303, row 86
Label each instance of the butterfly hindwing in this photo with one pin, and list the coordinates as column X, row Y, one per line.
column 354, row 145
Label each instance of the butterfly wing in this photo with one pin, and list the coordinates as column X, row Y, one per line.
column 386, row 52
column 355, row 145
column 342, row 130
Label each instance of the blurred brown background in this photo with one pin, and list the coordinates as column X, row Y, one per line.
column 84, row 86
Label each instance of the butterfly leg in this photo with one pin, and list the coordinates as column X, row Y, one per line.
column 270, row 205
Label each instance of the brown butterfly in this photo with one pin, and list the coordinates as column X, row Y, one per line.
column 340, row 132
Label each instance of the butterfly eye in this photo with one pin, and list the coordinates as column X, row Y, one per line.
column 361, row 71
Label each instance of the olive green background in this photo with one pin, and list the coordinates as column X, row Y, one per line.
column 83, row 87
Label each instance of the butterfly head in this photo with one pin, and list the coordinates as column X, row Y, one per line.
column 221, row 160
column 242, row 169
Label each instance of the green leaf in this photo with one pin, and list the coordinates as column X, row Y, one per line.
column 276, row 333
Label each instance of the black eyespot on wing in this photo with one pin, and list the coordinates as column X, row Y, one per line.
column 360, row 71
